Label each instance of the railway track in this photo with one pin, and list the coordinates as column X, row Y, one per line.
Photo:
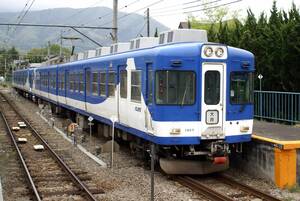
column 206, row 187
column 48, row 176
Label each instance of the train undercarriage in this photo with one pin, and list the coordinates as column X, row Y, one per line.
column 208, row 157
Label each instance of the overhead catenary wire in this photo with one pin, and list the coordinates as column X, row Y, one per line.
column 198, row 10
column 141, row 30
column 21, row 12
column 126, row 6
column 20, row 20
column 133, row 12
column 203, row 4
column 224, row 4
column 82, row 10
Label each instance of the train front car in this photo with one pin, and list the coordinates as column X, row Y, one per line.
column 204, row 103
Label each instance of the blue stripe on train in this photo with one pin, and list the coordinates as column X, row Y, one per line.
column 152, row 138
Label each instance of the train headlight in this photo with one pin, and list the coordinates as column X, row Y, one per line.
column 219, row 52
column 208, row 51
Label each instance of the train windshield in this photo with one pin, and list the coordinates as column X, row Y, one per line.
column 241, row 88
column 175, row 87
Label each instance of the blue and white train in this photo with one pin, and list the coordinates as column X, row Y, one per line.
column 192, row 98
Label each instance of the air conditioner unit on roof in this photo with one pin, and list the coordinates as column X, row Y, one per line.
column 183, row 35
column 89, row 54
column 119, row 47
column 143, row 42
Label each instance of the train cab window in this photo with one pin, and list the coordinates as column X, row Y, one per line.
column 212, row 87
column 95, row 83
column 123, row 84
column 111, row 84
column 102, row 84
column 175, row 87
column 136, row 86
column 241, row 88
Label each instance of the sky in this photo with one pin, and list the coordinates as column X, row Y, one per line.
column 168, row 12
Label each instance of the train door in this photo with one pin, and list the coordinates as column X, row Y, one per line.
column 67, row 86
column 87, row 91
column 213, row 99
column 123, row 99
column 149, row 97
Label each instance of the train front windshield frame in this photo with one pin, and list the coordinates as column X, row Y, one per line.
column 241, row 88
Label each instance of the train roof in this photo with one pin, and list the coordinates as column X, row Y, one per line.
column 190, row 49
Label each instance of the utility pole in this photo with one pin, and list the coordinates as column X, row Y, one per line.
column 5, row 68
column 60, row 48
column 48, row 53
column 148, row 22
column 115, row 21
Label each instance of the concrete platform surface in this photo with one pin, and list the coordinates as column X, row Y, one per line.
column 276, row 131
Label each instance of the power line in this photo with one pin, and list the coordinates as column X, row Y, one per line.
column 139, row 33
column 82, row 10
column 203, row 9
column 26, row 12
column 171, row 10
column 128, row 14
column 225, row 4
column 126, row 6
column 191, row 2
column 203, row 4
column 23, row 9
column 56, row 25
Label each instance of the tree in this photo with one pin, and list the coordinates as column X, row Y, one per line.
column 156, row 32
column 275, row 42
column 38, row 55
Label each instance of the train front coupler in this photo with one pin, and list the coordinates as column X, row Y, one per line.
column 219, row 151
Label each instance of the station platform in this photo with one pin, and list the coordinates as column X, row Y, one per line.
column 273, row 154
column 286, row 157
column 282, row 136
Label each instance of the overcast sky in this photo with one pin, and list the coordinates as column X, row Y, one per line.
column 173, row 10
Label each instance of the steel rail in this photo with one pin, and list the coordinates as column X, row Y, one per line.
column 198, row 187
column 246, row 188
column 28, row 176
column 73, row 176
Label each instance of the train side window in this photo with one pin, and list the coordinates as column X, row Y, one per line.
column 88, row 82
column 77, row 82
column 212, row 88
column 102, row 83
column 81, row 83
column 175, row 87
column 53, row 80
column 150, row 82
column 123, row 83
column 136, row 86
column 95, row 83
column 71, row 82
column 62, row 81
column 111, row 84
